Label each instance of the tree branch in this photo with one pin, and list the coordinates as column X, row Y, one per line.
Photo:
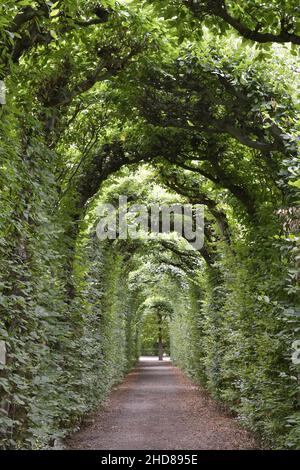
column 218, row 8
column 254, row 35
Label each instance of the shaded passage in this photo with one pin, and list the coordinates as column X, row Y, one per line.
column 156, row 407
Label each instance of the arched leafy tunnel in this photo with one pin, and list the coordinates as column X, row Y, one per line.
column 165, row 103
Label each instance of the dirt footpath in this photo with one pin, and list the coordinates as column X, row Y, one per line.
column 156, row 407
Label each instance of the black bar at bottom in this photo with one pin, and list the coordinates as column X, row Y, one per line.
column 139, row 459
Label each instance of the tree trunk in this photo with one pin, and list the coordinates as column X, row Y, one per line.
column 160, row 339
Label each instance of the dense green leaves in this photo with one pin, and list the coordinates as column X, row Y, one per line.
column 165, row 101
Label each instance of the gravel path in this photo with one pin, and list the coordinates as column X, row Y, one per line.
column 157, row 408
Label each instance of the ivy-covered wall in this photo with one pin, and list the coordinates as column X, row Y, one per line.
column 236, row 340
column 94, row 91
column 62, row 355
